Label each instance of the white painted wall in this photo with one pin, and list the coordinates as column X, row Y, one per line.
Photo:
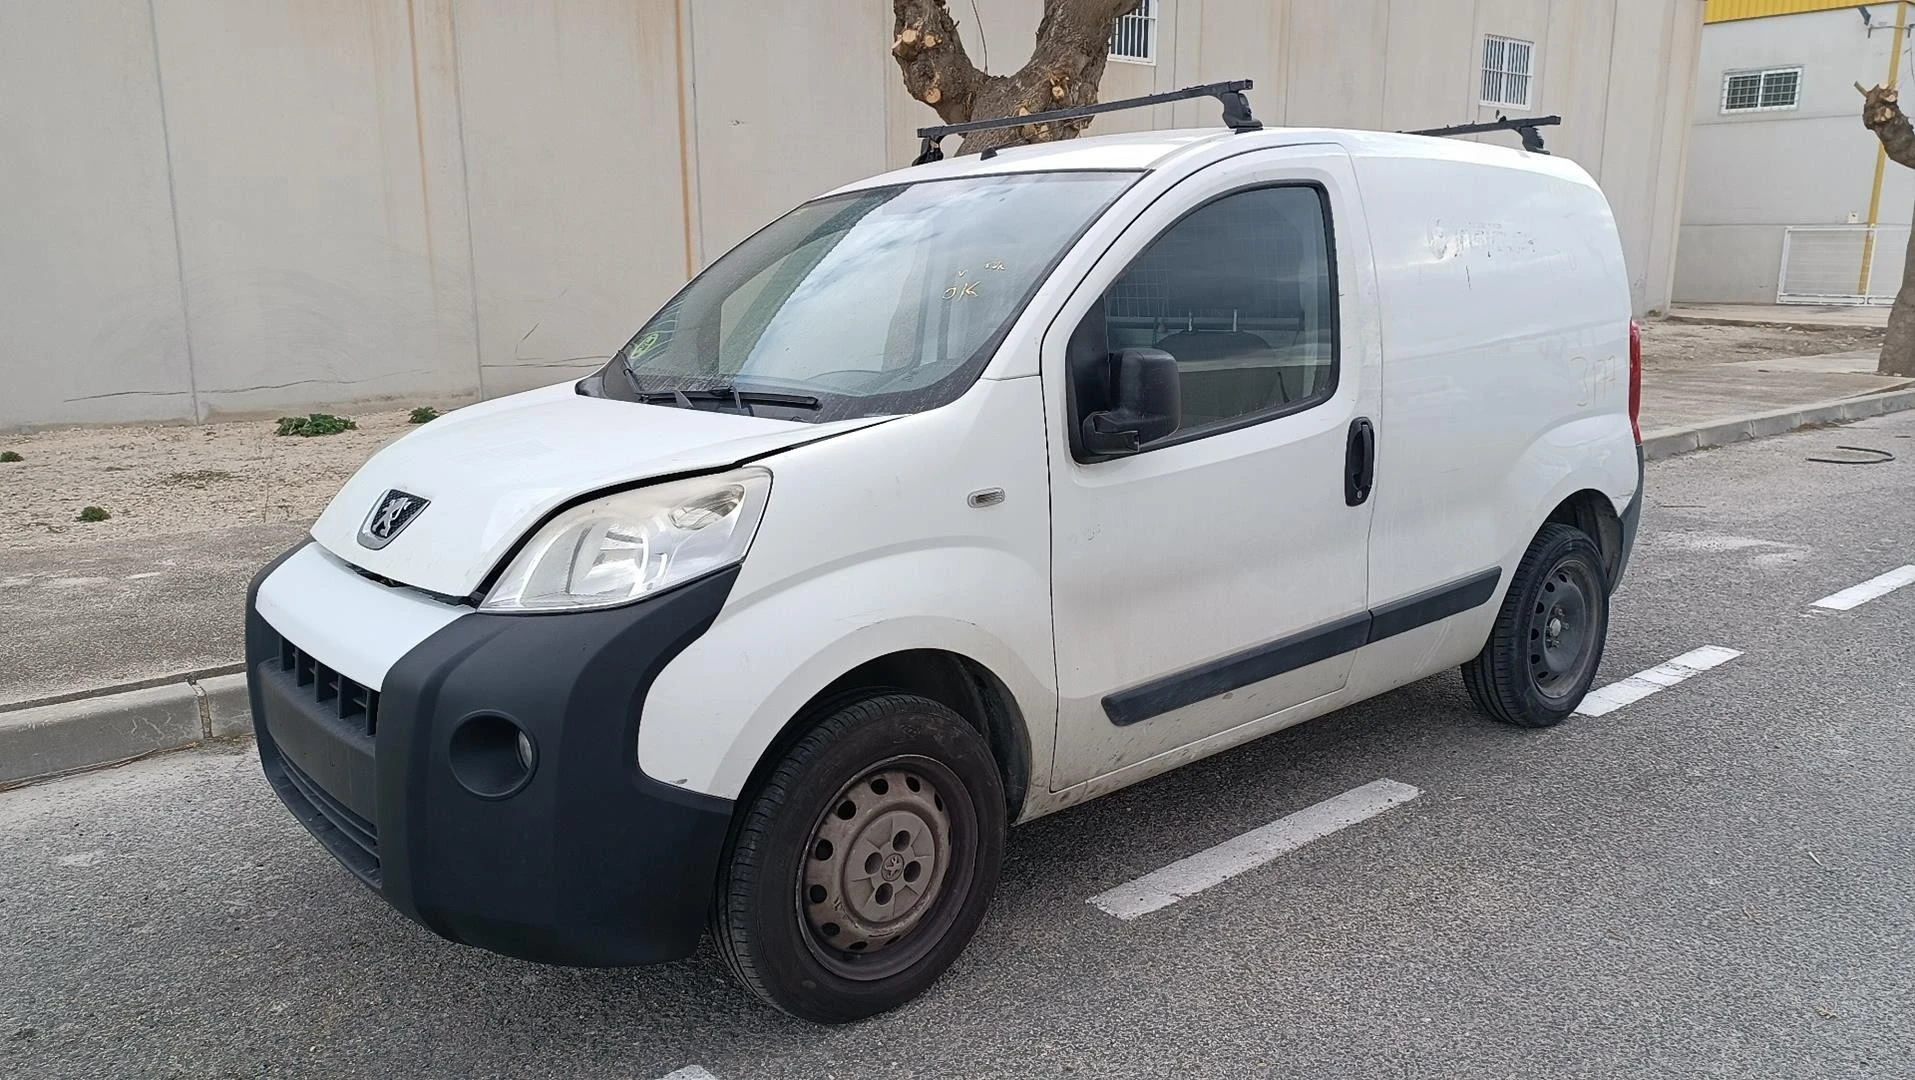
column 1752, row 174
column 91, row 323
column 238, row 206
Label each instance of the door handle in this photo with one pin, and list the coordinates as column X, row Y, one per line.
column 1359, row 464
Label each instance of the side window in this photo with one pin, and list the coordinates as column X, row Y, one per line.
column 1242, row 293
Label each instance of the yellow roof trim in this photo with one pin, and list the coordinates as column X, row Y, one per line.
column 1717, row 11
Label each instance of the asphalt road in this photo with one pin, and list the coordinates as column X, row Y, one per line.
column 1717, row 880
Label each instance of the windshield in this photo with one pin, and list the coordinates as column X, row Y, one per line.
column 871, row 303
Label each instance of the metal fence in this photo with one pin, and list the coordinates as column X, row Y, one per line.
column 1841, row 264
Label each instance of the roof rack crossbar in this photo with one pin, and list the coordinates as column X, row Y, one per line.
column 1236, row 114
column 1524, row 125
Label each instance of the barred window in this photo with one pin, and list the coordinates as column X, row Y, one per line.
column 1506, row 71
column 1761, row 91
column 1134, row 38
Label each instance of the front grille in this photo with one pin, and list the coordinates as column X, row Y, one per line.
column 360, row 847
column 312, row 713
column 355, row 705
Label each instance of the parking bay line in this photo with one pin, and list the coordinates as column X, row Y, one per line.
column 1608, row 699
column 689, row 1072
column 1190, row 876
column 1856, row 595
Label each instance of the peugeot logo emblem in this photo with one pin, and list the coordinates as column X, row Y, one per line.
column 390, row 515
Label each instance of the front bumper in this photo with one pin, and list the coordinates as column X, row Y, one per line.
column 590, row 863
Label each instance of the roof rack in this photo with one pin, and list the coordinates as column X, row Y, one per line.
column 1236, row 114
column 1526, row 125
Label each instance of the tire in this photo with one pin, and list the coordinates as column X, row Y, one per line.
column 863, row 862
column 1526, row 675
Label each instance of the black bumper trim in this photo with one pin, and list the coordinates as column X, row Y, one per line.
column 593, row 863
column 1631, row 521
column 362, row 856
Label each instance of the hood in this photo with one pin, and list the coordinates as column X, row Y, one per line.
column 490, row 472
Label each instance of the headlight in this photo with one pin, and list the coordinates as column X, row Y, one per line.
column 622, row 547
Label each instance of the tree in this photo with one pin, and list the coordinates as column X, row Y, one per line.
column 1882, row 114
column 1073, row 45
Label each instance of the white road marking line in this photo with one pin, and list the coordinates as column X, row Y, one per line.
column 1608, row 699
column 689, row 1072
column 1856, row 595
column 1190, row 876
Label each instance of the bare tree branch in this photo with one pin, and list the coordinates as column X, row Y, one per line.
column 1065, row 68
column 1882, row 114
column 937, row 71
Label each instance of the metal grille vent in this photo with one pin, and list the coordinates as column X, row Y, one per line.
column 351, row 702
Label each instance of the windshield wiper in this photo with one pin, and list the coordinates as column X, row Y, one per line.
column 730, row 395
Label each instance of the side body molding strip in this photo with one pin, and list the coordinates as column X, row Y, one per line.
column 1267, row 661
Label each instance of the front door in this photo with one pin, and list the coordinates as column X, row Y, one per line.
column 1218, row 576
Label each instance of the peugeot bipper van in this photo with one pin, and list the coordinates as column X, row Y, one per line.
column 952, row 498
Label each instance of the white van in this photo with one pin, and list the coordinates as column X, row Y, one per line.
column 950, row 499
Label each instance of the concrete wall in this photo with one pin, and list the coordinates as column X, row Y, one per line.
column 1752, row 174
column 223, row 206
column 92, row 325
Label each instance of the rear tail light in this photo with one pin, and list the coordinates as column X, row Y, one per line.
column 1635, row 380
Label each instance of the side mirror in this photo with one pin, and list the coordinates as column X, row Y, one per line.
column 1149, row 405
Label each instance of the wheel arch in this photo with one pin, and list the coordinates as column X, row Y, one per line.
column 958, row 682
column 1594, row 513
column 739, row 696
column 1583, row 473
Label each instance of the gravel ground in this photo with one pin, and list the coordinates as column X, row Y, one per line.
column 169, row 479
column 1676, row 344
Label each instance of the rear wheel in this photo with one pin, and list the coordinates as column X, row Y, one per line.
column 864, row 861
column 1547, row 642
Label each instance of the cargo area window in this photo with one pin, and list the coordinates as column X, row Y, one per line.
column 1506, row 71
column 1241, row 292
column 1761, row 91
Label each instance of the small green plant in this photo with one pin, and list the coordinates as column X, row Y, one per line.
column 314, row 424
column 422, row 415
column 10, row 455
column 94, row 513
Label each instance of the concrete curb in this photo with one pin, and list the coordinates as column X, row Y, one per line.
column 69, row 736
column 192, row 676
column 1808, row 321
column 1672, row 441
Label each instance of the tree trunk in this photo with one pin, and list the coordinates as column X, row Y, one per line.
column 1882, row 114
column 1073, row 45
column 1898, row 348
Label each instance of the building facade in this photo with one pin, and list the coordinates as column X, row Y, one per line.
column 219, row 207
column 1779, row 160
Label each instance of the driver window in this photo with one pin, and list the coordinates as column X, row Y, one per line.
column 1241, row 292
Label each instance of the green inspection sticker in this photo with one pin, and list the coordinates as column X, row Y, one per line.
column 643, row 345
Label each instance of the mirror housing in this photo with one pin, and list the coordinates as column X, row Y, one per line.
column 1149, row 405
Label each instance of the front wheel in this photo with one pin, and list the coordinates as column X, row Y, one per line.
column 864, row 861
column 1548, row 638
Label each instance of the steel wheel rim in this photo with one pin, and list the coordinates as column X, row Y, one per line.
column 886, row 868
column 1561, row 629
